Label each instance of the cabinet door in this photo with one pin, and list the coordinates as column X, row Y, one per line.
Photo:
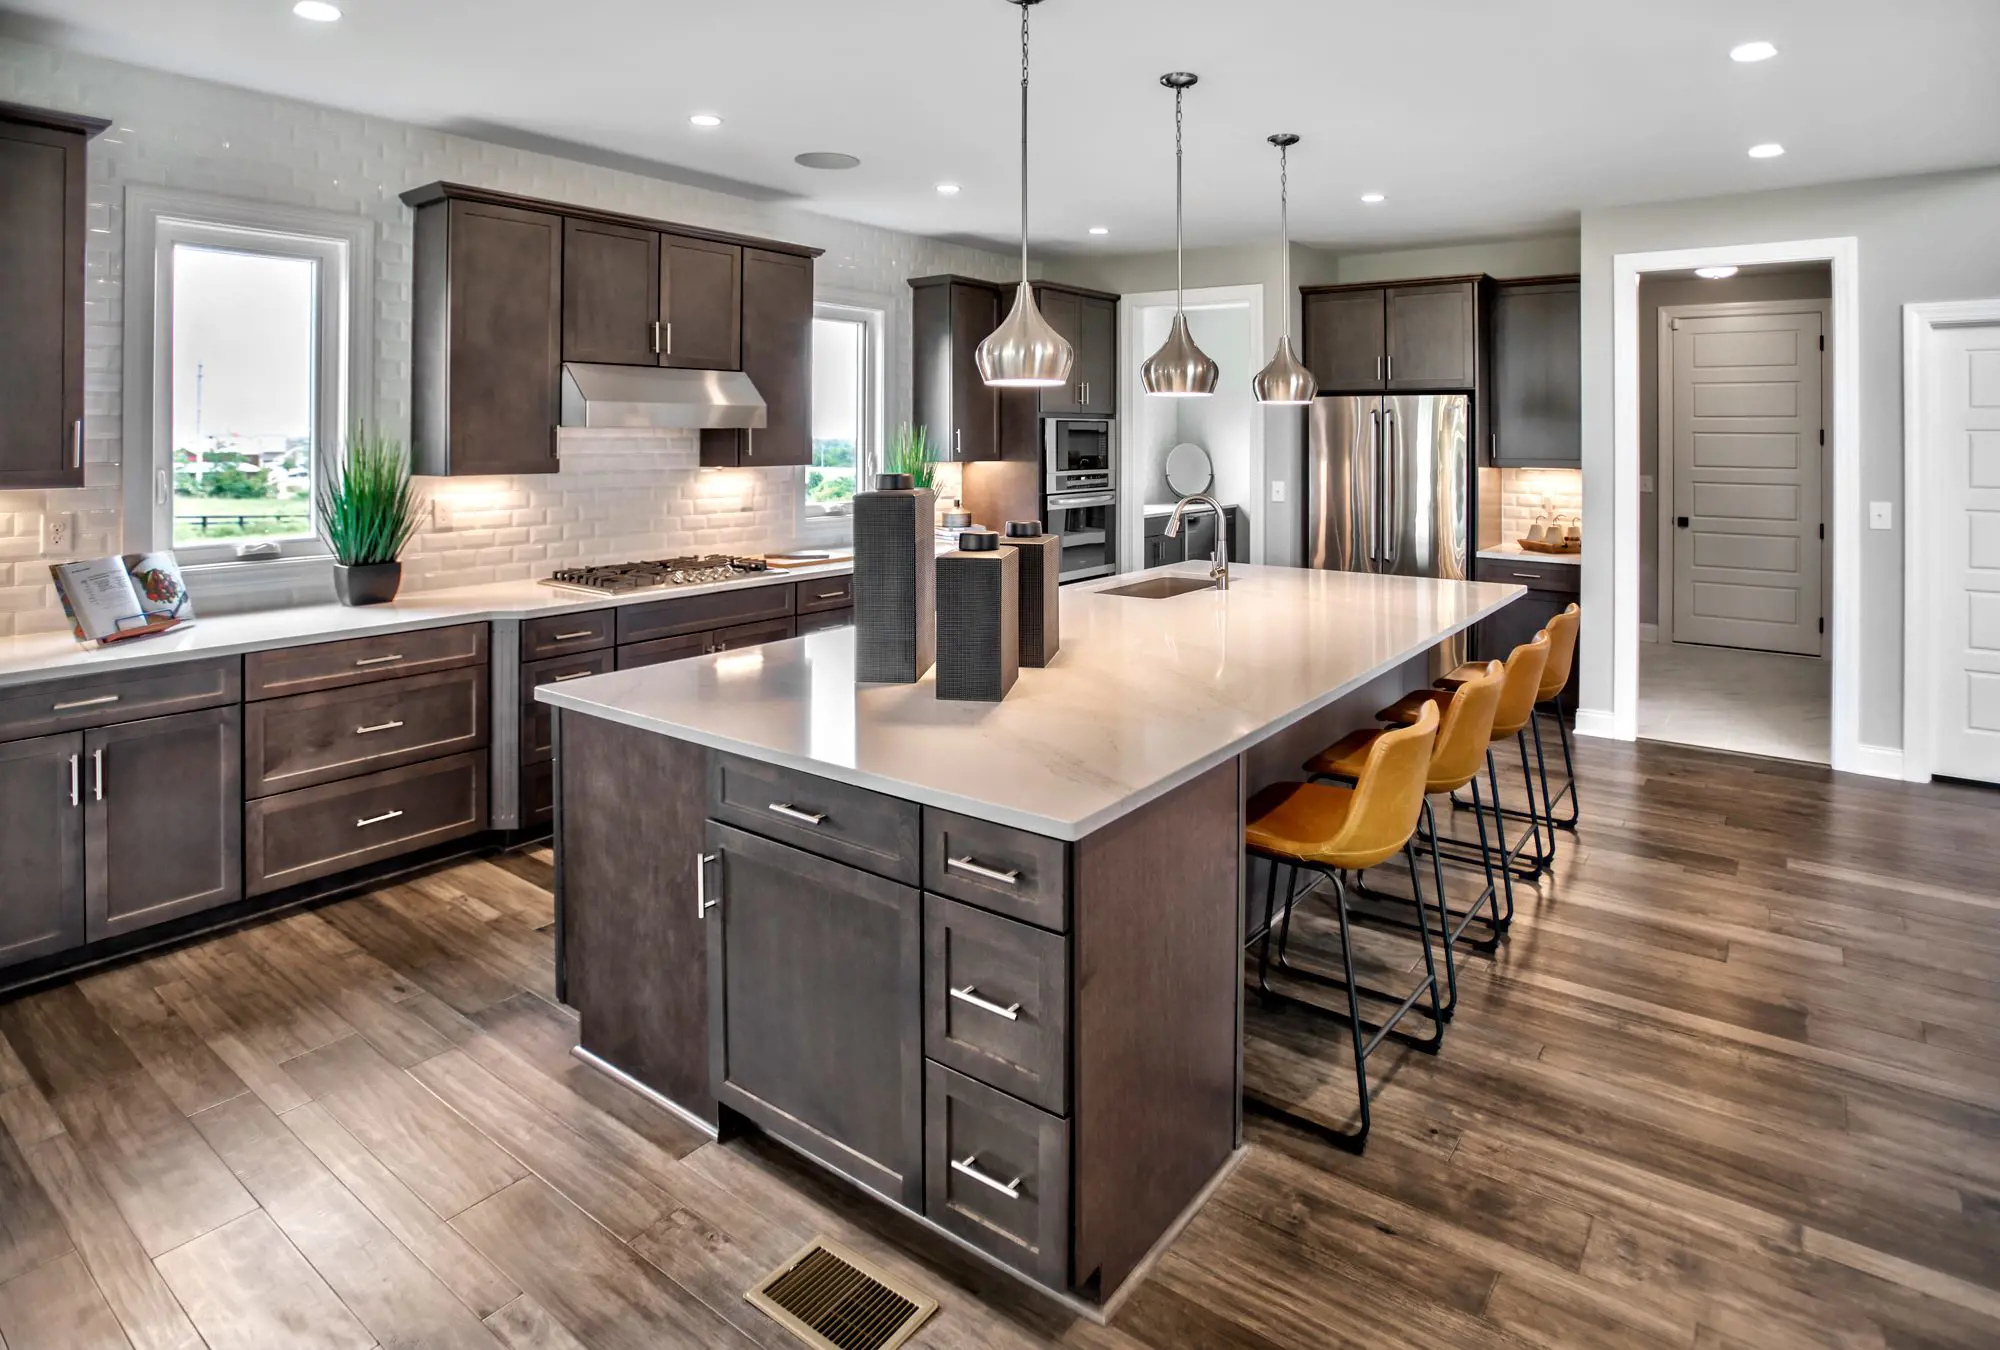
column 702, row 303
column 816, row 1007
column 1344, row 340
column 163, row 819
column 1496, row 636
column 1430, row 336
column 610, row 294
column 41, row 299
column 777, row 356
column 1239, row 537
column 1064, row 311
column 41, row 847
column 1097, row 356
column 1537, row 375
column 975, row 411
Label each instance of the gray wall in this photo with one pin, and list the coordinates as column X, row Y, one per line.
column 1550, row 255
column 1923, row 238
column 1810, row 283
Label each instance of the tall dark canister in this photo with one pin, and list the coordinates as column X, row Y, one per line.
column 1041, row 606
column 895, row 581
column 978, row 619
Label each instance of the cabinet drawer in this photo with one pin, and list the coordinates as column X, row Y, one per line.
column 125, row 696
column 823, row 620
column 1564, row 578
column 305, row 739
column 996, row 1173
column 826, row 593
column 538, row 719
column 557, row 634
column 1011, row 872
column 538, row 794
column 833, row 820
column 749, row 635
column 660, row 650
column 329, row 665
column 996, row 1001
column 317, row 831
column 698, row 613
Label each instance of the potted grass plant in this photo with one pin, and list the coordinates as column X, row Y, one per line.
column 910, row 453
column 368, row 508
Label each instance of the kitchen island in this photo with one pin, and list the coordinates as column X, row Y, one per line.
column 981, row 959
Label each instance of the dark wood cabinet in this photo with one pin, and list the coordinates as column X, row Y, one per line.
column 163, row 819
column 487, row 339
column 1552, row 588
column 41, row 846
column 611, row 296
column 42, row 237
column 1064, row 311
column 1537, row 386
column 816, row 1007
column 1412, row 337
column 703, row 305
column 777, row 356
column 961, row 414
column 1344, row 338
column 1088, row 320
column 1196, row 539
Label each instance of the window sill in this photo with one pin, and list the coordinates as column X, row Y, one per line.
column 242, row 586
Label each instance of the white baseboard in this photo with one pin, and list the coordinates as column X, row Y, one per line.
column 1649, row 632
column 1875, row 761
column 1599, row 723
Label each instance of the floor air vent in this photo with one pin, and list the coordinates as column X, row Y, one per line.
column 832, row 1299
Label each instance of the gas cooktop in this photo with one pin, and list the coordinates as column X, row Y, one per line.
column 622, row 578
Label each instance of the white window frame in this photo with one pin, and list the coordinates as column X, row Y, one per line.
column 872, row 313
column 158, row 219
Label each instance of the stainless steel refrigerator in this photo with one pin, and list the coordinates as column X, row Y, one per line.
column 1388, row 484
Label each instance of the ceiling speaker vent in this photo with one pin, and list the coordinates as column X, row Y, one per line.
column 833, row 1300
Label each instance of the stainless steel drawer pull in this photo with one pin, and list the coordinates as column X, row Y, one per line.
column 790, row 812
column 378, row 660
column 1529, row 576
column 573, row 675
column 969, row 1166
column 702, row 904
column 831, row 595
column 76, row 445
column 379, row 726
column 571, row 637
column 97, row 702
column 1010, row 877
column 970, row 994
column 376, row 820
column 75, row 792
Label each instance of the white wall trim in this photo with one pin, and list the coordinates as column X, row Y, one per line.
column 1131, row 510
column 1920, row 325
column 1649, row 632
column 1617, row 552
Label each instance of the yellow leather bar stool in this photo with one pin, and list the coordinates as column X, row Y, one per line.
column 1516, row 709
column 1317, row 827
column 1464, row 734
column 1562, row 631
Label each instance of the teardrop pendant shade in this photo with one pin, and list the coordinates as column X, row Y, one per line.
column 1179, row 369
column 1285, row 380
column 1024, row 352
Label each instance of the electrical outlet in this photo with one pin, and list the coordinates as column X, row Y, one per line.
column 58, row 534
column 444, row 513
column 1277, row 489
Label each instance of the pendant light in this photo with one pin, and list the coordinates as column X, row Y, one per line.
column 1024, row 352
column 1179, row 369
column 1285, row 380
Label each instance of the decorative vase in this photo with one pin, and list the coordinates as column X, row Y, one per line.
column 1041, row 606
column 895, row 581
column 978, row 619
column 367, row 583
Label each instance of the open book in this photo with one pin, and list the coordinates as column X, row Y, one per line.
column 111, row 599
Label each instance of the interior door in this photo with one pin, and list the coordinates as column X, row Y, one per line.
column 1966, row 631
column 1747, row 433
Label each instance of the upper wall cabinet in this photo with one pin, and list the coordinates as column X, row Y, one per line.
column 777, row 356
column 1537, row 418
column 636, row 297
column 952, row 316
column 1406, row 338
column 42, row 233
column 1089, row 321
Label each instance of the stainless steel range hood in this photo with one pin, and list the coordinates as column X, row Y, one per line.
column 648, row 396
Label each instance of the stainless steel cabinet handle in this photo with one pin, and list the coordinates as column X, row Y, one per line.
column 957, row 441
column 573, row 675
column 99, row 701
column 97, row 773
column 831, row 595
column 790, row 812
column 378, row 660
column 379, row 726
column 1010, row 877
column 670, row 337
column 656, row 337
column 702, row 904
column 1529, row 576
column 969, row 1166
column 376, row 820
column 75, row 790
column 571, row 637
column 1392, row 367
column 1378, row 367
column 970, row 994
column 749, row 442
column 76, row 445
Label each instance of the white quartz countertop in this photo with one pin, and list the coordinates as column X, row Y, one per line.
column 1143, row 696
column 42, row 656
column 1515, row 553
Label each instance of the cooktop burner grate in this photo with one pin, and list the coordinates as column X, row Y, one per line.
column 619, row 578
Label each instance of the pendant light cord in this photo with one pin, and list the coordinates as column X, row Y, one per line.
column 1285, row 233
column 1180, row 306
column 1024, row 144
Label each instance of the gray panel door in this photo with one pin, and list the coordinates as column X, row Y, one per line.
column 41, row 847
column 1425, row 489
column 1343, row 469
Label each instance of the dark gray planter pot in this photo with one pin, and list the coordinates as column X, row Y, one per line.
column 368, row 584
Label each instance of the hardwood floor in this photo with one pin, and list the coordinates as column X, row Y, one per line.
column 1733, row 1082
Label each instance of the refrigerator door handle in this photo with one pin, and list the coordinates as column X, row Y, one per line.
column 1391, row 495
column 1375, row 488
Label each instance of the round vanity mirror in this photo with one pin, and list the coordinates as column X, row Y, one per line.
column 1188, row 469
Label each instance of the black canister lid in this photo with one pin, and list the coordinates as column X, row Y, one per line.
column 978, row 541
column 894, row 482
column 1024, row 529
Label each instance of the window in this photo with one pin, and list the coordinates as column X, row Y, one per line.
column 846, row 345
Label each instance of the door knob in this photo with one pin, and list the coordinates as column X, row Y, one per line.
column 1681, row 521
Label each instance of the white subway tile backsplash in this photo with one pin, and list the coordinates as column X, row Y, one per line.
column 1527, row 494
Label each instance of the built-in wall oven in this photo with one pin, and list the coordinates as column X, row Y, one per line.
column 1076, row 454
column 1080, row 494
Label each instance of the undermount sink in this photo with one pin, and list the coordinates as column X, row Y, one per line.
column 1162, row 588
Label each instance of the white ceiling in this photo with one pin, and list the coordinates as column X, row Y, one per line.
column 1476, row 118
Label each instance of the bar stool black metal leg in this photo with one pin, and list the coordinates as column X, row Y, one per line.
column 1542, row 769
column 1500, row 921
column 1544, row 858
column 1430, row 965
column 1569, row 772
column 1264, row 948
column 1444, row 914
column 1360, row 1137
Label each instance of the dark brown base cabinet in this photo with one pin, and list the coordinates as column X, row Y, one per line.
column 1552, row 588
column 163, row 823
column 41, row 846
column 1196, row 539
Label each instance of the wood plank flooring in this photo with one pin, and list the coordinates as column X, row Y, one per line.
column 1732, row 1082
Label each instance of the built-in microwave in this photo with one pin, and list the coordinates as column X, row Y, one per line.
column 1076, row 454
column 1087, row 524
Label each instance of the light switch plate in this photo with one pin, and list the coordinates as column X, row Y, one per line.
column 1277, row 489
column 1880, row 516
column 1646, row 484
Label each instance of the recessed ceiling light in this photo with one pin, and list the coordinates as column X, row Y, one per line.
column 1371, row 197
column 704, row 120
column 1753, row 51
column 947, row 189
column 1768, row 150
column 1714, row 273
column 1100, row 229
column 317, row 10
column 825, row 159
